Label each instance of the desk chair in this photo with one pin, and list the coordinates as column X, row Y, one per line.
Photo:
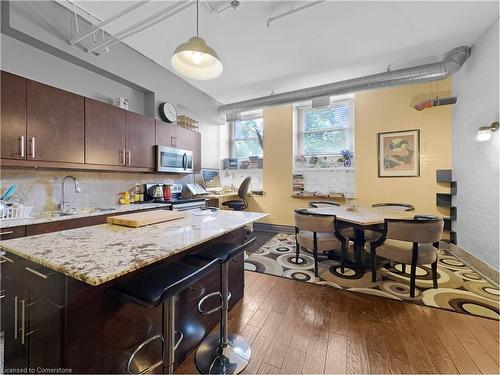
column 240, row 204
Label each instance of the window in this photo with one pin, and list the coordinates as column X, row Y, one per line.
column 326, row 131
column 247, row 138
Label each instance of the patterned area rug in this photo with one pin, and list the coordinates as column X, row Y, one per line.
column 460, row 288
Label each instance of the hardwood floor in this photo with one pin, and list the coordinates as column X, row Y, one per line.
column 296, row 327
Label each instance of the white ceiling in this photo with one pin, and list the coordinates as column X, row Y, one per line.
column 329, row 42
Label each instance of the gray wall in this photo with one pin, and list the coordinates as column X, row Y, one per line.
column 476, row 164
column 49, row 26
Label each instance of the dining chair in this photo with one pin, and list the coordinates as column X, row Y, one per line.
column 409, row 241
column 317, row 233
column 318, row 204
column 395, row 206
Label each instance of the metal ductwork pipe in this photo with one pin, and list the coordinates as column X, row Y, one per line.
column 451, row 64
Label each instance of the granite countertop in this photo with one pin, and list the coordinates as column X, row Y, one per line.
column 101, row 253
column 38, row 219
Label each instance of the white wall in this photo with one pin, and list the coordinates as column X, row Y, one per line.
column 476, row 164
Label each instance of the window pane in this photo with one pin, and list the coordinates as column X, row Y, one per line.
column 325, row 143
column 247, row 128
column 327, row 118
column 245, row 149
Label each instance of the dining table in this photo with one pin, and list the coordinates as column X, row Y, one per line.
column 361, row 219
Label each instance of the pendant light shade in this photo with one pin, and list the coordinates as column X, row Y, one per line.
column 194, row 59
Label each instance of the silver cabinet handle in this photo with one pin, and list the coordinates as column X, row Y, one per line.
column 124, row 161
column 33, row 147
column 21, row 144
column 23, row 320
column 8, row 232
column 129, row 156
column 2, row 294
column 35, row 272
column 5, row 259
column 16, row 299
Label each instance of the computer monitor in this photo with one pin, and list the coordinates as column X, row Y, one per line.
column 211, row 179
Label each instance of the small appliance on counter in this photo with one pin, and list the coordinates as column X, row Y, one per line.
column 172, row 194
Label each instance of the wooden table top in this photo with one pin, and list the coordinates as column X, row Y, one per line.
column 364, row 216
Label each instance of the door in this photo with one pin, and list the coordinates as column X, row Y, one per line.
column 55, row 124
column 104, row 134
column 140, row 140
column 165, row 134
column 13, row 117
column 196, row 148
column 182, row 138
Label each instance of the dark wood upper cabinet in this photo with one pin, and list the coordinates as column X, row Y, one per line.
column 13, row 117
column 55, row 124
column 165, row 134
column 140, row 140
column 196, row 148
column 182, row 138
column 104, row 134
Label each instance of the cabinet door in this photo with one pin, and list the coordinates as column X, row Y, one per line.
column 196, row 148
column 55, row 124
column 182, row 138
column 15, row 300
column 140, row 140
column 13, row 117
column 165, row 134
column 104, row 133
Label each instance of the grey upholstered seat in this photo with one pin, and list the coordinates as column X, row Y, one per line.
column 414, row 242
column 317, row 233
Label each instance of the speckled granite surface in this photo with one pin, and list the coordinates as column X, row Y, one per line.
column 9, row 223
column 101, row 253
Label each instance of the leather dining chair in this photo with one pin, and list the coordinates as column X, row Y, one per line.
column 240, row 204
column 409, row 241
column 317, row 233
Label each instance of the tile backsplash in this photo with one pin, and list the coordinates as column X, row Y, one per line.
column 41, row 189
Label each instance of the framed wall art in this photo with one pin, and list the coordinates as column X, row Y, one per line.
column 399, row 153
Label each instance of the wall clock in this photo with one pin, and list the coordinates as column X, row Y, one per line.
column 168, row 112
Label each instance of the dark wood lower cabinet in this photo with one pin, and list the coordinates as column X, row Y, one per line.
column 72, row 325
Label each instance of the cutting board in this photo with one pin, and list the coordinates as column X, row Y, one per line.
column 141, row 219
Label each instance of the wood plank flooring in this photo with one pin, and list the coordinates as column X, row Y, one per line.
column 295, row 327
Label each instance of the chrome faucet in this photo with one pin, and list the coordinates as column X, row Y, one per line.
column 77, row 190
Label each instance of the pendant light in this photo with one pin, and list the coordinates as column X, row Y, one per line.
column 194, row 59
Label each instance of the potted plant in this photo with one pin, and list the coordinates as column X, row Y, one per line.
column 346, row 157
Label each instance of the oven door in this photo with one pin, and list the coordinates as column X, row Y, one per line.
column 170, row 159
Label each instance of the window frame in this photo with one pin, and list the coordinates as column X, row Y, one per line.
column 350, row 129
column 232, row 140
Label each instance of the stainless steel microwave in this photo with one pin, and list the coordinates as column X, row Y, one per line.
column 170, row 159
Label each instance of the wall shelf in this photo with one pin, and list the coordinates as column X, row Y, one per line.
column 446, row 200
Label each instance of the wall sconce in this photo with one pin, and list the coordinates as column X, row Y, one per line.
column 484, row 132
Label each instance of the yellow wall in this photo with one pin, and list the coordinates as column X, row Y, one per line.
column 375, row 111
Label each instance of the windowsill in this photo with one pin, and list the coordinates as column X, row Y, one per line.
column 317, row 169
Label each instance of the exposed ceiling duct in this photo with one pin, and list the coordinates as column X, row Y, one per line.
column 452, row 63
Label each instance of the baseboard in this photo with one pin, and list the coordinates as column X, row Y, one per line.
column 273, row 228
column 486, row 271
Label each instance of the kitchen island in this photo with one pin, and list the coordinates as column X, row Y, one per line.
column 57, row 313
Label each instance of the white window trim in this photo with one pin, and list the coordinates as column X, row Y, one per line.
column 337, row 102
column 258, row 114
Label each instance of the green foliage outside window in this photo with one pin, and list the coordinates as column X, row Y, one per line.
column 248, row 138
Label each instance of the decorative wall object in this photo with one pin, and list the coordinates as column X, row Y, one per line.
column 399, row 154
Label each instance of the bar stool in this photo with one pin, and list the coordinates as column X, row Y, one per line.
column 225, row 353
column 160, row 286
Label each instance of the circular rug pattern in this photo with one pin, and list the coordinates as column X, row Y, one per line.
column 288, row 261
column 264, row 250
column 399, row 289
column 330, row 284
column 483, row 290
column 419, row 272
column 282, row 248
column 446, row 278
column 470, row 275
column 452, row 263
column 461, row 301
column 329, row 270
column 300, row 275
column 264, row 265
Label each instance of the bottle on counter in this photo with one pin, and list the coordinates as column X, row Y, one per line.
column 126, row 198
column 121, row 199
